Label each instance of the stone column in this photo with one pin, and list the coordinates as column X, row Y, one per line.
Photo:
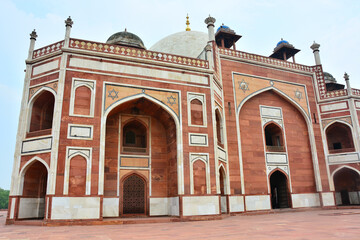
column 347, row 81
column 68, row 25
column 315, row 47
column 210, row 21
column 209, row 56
column 33, row 37
column 353, row 113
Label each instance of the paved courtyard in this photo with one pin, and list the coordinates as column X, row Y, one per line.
column 316, row 224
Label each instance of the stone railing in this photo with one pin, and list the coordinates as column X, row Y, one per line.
column 355, row 92
column 48, row 49
column 336, row 93
column 262, row 59
column 275, row 148
column 137, row 53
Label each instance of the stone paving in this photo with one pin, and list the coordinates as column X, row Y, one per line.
column 315, row 224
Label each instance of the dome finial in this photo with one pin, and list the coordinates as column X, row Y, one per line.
column 187, row 23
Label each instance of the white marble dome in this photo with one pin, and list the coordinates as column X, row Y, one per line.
column 187, row 43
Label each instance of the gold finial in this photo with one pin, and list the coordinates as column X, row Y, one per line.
column 187, row 23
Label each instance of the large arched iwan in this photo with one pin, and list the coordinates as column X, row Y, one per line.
column 163, row 144
column 297, row 144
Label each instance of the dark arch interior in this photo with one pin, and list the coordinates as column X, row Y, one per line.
column 274, row 138
column 134, row 135
column 219, row 128
column 42, row 112
column 339, row 138
column 35, row 183
column 279, row 190
column 347, row 187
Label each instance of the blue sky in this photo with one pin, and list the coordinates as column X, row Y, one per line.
column 332, row 23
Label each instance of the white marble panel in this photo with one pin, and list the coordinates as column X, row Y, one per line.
column 343, row 158
column 305, row 200
column 357, row 104
column 159, row 207
column 80, row 131
column 333, row 107
column 110, row 207
column 217, row 89
column 46, row 67
column 270, row 112
column 338, row 198
column 328, row 199
column 236, row 203
column 200, row 205
column 198, row 139
column 221, row 154
column 31, row 208
column 124, row 69
column 173, row 205
column 276, row 158
column 354, row 197
column 259, row 202
column 35, row 145
column 75, row 208
column 223, row 204
column 12, row 209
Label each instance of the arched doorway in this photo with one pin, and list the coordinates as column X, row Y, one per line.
column 223, row 199
column 134, row 195
column 279, row 190
column 32, row 202
column 347, row 187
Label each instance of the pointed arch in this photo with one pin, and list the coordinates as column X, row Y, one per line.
column 346, row 185
column 26, row 167
column 174, row 116
column 308, row 121
column 343, row 167
column 88, row 159
column 41, row 118
column 134, row 189
column 338, row 142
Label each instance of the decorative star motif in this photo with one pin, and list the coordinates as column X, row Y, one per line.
column 171, row 100
column 113, row 94
column 298, row 94
column 244, row 86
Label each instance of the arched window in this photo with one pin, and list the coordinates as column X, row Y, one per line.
column 219, row 128
column 274, row 138
column 339, row 138
column 82, row 102
column 196, row 112
column 134, row 137
column 42, row 112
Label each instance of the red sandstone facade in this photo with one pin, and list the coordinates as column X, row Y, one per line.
column 114, row 130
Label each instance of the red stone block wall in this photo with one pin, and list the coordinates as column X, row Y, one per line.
column 196, row 112
column 228, row 67
column 199, row 175
column 82, row 100
column 77, row 176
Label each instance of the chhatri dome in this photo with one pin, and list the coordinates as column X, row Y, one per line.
column 126, row 38
column 187, row 43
